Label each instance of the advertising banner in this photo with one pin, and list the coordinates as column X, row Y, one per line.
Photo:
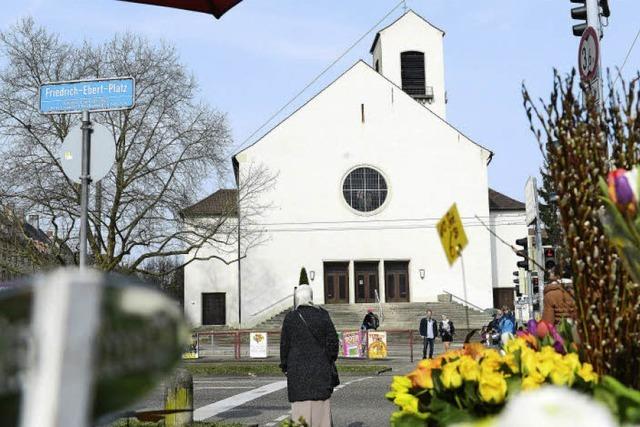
column 351, row 344
column 258, row 345
column 377, row 345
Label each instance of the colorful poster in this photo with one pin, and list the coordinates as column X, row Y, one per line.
column 377, row 345
column 351, row 344
column 192, row 351
column 258, row 345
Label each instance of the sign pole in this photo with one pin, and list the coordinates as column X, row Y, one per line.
column 464, row 287
column 84, row 192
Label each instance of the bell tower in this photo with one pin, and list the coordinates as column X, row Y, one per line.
column 410, row 53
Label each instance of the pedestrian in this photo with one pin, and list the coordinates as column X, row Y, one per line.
column 428, row 332
column 370, row 321
column 559, row 301
column 308, row 351
column 507, row 325
column 447, row 331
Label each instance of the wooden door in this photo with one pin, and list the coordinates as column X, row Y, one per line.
column 366, row 281
column 214, row 309
column 502, row 297
column 336, row 282
column 396, row 276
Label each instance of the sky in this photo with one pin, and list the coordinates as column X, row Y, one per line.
column 261, row 53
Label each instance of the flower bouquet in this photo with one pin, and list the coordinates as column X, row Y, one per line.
column 475, row 382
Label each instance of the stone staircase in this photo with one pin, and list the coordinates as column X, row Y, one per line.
column 397, row 316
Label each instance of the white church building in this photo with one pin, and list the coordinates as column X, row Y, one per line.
column 363, row 173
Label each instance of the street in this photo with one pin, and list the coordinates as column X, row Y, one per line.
column 357, row 401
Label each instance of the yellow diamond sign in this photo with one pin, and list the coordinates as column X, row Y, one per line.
column 452, row 234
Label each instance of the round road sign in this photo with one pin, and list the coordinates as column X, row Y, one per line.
column 589, row 54
column 103, row 153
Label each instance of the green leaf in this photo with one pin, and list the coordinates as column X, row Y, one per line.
column 406, row 419
column 446, row 413
column 514, row 384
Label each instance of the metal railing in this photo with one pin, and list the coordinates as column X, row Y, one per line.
column 272, row 305
column 463, row 301
column 235, row 345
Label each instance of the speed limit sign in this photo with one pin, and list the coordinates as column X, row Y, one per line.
column 589, row 54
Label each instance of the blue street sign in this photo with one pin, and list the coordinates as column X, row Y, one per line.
column 87, row 95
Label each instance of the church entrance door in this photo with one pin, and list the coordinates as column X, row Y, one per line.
column 336, row 282
column 366, row 281
column 396, row 281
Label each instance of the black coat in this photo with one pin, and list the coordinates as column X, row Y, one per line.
column 305, row 361
column 424, row 324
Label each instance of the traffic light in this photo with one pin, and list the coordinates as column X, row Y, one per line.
column 524, row 253
column 535, row 285
column 549, row 258
column 517, row 279
column 580, row 13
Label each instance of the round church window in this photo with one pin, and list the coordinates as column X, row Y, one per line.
column 364, row 189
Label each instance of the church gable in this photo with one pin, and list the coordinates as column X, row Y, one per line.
column 359, row 98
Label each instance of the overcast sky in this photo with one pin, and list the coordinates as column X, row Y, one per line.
column 252, row 61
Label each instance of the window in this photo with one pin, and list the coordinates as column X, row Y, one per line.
column 364, row 189
column 413, row 75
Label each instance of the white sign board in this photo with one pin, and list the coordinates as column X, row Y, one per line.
column 103, row 153
column 258, row 345
column 531, row 199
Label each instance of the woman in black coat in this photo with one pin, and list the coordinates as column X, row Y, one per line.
column 308, row 351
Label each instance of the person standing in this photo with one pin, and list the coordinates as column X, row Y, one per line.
column 428, row 332
column 507, row 324
column 447, row 331
column 308, row 351
column 559, row 301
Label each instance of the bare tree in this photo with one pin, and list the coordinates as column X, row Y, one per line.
column 166, row 148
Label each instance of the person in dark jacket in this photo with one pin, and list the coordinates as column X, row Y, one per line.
column 308, row 351
column 428, row 332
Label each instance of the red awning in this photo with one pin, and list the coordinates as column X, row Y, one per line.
column 216, row 8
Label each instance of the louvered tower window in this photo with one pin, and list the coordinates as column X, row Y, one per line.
column 413, row 76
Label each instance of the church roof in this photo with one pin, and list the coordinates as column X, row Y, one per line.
column 222, row 202
column 377, row 37
column 501, row 202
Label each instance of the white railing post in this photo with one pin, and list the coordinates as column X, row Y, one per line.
column 59, row 379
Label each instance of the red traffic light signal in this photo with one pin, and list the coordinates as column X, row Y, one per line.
column 549, row 252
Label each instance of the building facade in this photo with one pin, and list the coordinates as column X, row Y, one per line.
column 365, row 170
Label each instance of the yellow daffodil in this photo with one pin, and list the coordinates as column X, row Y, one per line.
column 532, row 381
column 587, row 374
column 451, row 378
column 562, row 374
column 528, row 361
column 421, row 378
column 510, row 361
column 400, row 384
column 469, row 368
column 407, row 402
column 491, row 362
column 573, row 361
column 546, row 360
column 492, row 387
